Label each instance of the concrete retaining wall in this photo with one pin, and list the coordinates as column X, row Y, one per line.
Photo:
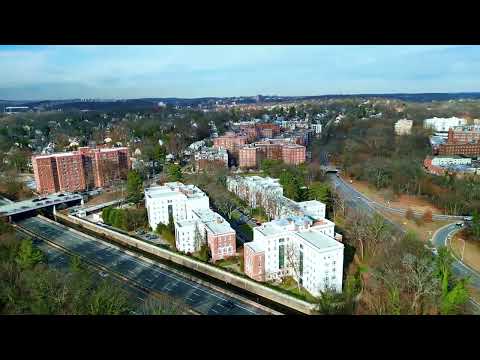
column 191, row 263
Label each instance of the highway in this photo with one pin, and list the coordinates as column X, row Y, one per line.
column 152, row 275
column 60, row 260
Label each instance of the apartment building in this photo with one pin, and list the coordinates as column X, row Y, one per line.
column 195, row 223
column 472, row 150
column 293, row 154
column 173, row 198
column 267, row 193
column 442, row 125
column 450, row 160
column 211, row 228
column 230, row 141
column 206, row 158
column 403, row 127
column 464, row 134
column 297, row 247
column 251, row 155
column 80, row 170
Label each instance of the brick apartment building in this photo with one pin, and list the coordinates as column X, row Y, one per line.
column 293, row 154
column 230, row 141
column 464, row 134
column 253, row 132
column 80, row 170
column 250, row 156
column 459, row 149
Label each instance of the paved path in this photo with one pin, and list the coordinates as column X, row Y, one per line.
column 150, row 274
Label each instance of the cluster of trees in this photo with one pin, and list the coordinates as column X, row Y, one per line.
column 369, row 150
column 12, row 188
column 125, row 219
column 300, row 183
column 134, row 187
column 395, row 274
column 167, row 231
column 29, row 286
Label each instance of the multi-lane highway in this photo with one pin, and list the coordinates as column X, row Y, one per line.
column 150, row 274
column 60, row 260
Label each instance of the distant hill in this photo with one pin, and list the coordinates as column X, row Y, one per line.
column 148, row 103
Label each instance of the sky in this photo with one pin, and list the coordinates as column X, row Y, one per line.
column 119, row 72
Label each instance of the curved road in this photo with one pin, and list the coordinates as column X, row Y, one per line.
column 358, row 201
column 460, row 269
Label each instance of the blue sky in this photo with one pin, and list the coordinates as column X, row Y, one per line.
column 59, row 72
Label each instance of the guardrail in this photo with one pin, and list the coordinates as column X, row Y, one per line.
column 204, row 268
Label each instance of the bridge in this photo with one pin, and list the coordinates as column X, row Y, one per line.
column 85, row 210
column 328, row 169
column 31, row 207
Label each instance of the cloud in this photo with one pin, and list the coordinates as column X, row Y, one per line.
column 191, row 71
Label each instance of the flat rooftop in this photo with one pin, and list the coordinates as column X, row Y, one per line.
column 174, row 188
column 255, row 246
column 213, row 221
column 319, row 240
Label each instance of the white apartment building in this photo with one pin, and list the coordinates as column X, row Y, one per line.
column 173, row 198
column 210, row 154
column 212, row 228
column 317, row 128
column 443, row 124
column 267, row 193
column 445, row 161
column 297, row 247
column 403, row 127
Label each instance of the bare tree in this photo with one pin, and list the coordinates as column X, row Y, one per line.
column 420, row 281
column 293, row 261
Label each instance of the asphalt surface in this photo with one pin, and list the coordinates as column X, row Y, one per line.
column 60, row 260
column 151, row 275
column 458, row 267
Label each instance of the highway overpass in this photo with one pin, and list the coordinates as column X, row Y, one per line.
column 50, row 203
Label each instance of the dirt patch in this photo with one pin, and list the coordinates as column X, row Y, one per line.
column 105, row 197
column 403, row 201
column 424, row 231
column 471, row 254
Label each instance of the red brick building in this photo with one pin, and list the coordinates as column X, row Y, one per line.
column 230, row 141
column 248, row 157
column 459, row 149
column 251, row 156
column 80, row 170
column 464, row 134
column 293, row 154
column 254, row 261
column 268, row 130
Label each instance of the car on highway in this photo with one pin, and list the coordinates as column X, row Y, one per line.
column 459, row 223
column 103, row 274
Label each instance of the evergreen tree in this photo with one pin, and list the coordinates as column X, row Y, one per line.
column 134, row 187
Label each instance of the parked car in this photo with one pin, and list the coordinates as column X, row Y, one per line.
column 459, row 223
